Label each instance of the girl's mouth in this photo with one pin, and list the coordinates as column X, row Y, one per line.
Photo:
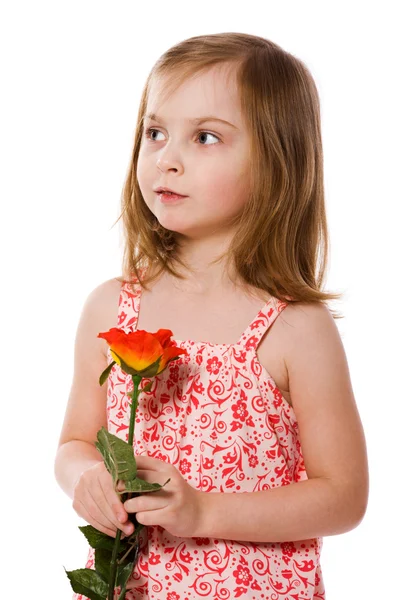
column 169, row 197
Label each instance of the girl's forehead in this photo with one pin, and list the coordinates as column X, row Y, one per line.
column 220, row 79
column 208, row 93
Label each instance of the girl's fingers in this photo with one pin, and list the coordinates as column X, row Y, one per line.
column 151, row 476
column 95, row 523
column 99, row 510
column 112, row 508
column 96, row 501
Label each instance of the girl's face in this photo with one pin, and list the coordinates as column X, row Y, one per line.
column 206, row 162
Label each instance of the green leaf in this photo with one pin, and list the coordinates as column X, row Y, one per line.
column 124, row 572
column 118, row 455
column 101, row 541
column 106, row 372
column 88, row 582
column 96, row 538
column 139, row 485
column 102, row 564
column 147, row 387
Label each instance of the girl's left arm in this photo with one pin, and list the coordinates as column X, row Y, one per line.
column 334, row 498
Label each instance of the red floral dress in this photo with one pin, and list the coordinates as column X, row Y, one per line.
column 218, row 416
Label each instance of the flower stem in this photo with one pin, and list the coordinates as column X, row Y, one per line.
column 113, row 572
column 134, row 395
column 114, row 564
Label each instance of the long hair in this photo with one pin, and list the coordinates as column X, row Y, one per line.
column 281, row 240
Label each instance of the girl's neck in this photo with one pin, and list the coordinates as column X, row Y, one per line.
column 210, row 282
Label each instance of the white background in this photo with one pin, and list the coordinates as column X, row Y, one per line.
column 71, row 77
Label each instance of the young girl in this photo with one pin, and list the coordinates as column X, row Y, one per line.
column 257, row 426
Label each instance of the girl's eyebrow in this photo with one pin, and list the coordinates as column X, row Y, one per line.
column 197, row 121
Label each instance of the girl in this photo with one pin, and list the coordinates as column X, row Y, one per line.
column 257, row 426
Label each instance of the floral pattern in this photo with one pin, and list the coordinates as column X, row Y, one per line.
column 219, row 417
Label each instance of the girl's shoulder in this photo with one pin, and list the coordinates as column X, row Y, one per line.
column 311, row 341
column 300, row 317
column 105, row 299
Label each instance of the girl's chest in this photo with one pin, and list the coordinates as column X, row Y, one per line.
column 218, row 323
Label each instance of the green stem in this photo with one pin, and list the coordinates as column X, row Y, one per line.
column 113, row 573
column 132, row 544
column 134, row 396
column 114, row 565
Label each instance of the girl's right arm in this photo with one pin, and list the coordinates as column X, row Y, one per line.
column 79, row 467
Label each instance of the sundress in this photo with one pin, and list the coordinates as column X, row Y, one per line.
column 219, row 417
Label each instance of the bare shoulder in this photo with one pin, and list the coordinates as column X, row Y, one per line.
column 308, row 326
column 298, row 316
column 292, row 328
column 105, row 301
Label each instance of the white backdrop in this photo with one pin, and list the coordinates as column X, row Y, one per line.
column 71, row 77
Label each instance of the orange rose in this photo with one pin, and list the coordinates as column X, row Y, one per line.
column 140, row 352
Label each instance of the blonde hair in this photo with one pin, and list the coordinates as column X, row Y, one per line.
column 281, row 241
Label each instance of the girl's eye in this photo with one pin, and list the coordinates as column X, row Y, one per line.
column 149, row 131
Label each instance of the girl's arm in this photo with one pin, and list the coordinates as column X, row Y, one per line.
column 86, row 410
column 334, row 498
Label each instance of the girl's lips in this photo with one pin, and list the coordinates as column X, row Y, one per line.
column 166, row 197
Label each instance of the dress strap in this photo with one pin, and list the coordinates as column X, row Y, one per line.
column 130, row 302
column 252, row 335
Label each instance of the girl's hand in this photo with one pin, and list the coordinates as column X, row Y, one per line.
column 177, row 507
column 96, row 501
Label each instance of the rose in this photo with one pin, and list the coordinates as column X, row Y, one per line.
column 139, row 354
